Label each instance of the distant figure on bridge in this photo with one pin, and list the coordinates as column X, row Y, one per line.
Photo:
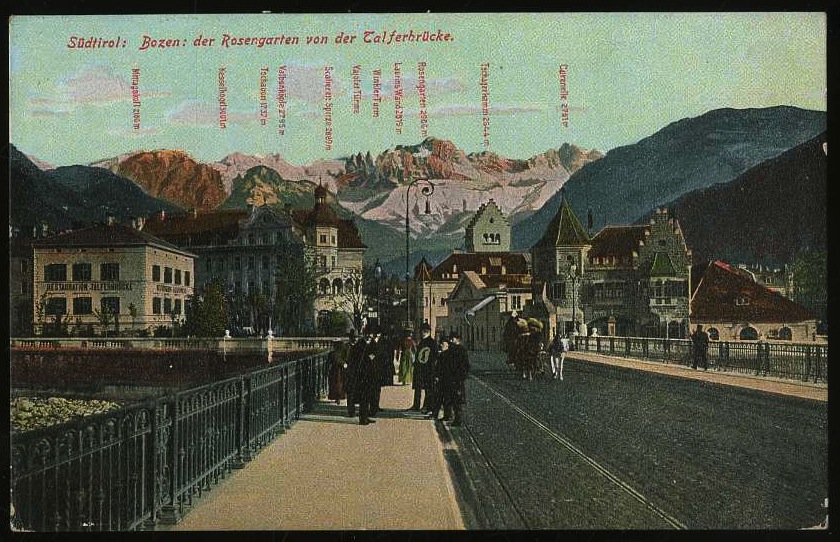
column 533, row 348
column 454, row 371
column 426, row 354
column 700, row 348
column 407, row 352
column 762, row 355
column 511, row 336
column 337, row 367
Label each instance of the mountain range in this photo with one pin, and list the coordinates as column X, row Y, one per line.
column 673, row 167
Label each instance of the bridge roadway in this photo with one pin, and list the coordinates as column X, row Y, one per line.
column 401, row 473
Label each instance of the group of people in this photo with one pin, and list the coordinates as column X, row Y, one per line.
column 436, row 370
column 524, row 345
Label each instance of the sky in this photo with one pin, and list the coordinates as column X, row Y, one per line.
column 494, row 85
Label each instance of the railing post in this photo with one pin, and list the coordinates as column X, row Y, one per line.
column 170, row 513
column 243, row 454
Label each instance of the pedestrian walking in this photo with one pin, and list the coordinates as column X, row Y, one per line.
column 352, row 385
column 511, row 335
column 533, row 347
column 408, row 351
column 700, row 348
column 436, row 378
column 337, row 366
column 762, row 355
column 384, row 368
column 455, row 370
column 367, row 379
column 426, row 354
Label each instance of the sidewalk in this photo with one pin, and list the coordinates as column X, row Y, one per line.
column 796, row 388
column 330, row 473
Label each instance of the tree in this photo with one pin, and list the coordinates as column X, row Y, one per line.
column 351, row 301
column 105, row 316
column 296, row 286
column 206, row 313
column 810, row 282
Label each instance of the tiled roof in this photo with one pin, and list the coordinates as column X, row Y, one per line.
column 564, row 229
column 721, row 293
column 320, row 215
column 213, row 228
column 105, row 235
column 514, row 263
column 620, row 241
column 507, row 281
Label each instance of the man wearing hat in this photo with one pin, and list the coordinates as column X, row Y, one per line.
column 455, row 370
column 426, row 354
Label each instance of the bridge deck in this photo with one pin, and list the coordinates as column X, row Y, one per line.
column 330, row 473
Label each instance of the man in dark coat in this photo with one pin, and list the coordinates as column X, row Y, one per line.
column 511, row 335
column 366, row 383
column 426, row 354
column 434, row 374
column 351, row 374
column 455, row 371
column 384, row 367
column 700, row 347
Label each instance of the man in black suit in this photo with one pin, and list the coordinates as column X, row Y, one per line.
column 455, row 370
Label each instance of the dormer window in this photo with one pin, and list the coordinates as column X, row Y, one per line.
column 742, row 300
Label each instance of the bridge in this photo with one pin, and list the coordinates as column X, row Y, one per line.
column 266, row 451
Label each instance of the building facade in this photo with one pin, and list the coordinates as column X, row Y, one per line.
column 109, row 278
column 625, row 280
column 733, row 306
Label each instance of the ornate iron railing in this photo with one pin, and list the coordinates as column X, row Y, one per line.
column 798, row 361
column 135, row 467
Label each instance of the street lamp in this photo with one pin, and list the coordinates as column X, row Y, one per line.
column 377, row 273
column 427, row 190
column 574, row 276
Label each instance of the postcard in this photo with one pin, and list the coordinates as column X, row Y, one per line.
column 418, row 271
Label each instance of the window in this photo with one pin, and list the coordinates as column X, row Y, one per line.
column 82, row 305
column 265, row 264
column 237, row 263
column 167, row 275
column 742, row 300
column 323, row 239
column 334, row 263
column 55, row 272
column 186, row 278
column 177, row 309
column 250, row 238
column 516, row 302
column 177, row 276
column 155, row 305
column 264, row 239
column 167, row 305
column 558, row 290
column 332, row 238
column 81, row 271
column 110, row 303
column 156, row 273
column 250, row 263
column 55, row 306
column 109, row 271
column 251, row 287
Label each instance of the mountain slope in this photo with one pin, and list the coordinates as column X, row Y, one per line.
column 687, row 155
column 768, row 215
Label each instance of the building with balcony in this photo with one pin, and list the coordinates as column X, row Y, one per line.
column 108, row 278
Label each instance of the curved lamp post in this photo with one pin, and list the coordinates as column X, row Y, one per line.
column 573, row 275
column 427, row 189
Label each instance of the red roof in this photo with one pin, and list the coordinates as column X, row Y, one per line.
column 105, row 235
column 492, row 262
column 213, row 228
column 721, row 293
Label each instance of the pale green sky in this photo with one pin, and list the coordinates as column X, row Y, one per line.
column 628, row 76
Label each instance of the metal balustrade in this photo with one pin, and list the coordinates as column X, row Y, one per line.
column 142, row 465
column 796, row 361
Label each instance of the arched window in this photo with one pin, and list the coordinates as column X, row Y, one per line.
column 337, row 286
column 714, row 334
column 749, row 333
column 785, row 334
column 323, row 286
column 348, row 286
